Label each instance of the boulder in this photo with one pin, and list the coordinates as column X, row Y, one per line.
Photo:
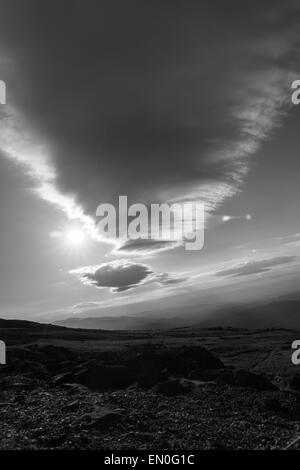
column 173, row 361
column 62, row 378
column 244, row 378
column 294, row 382
column 173, row 387
column 223, row 376
column 108, row 377
column 102, row 418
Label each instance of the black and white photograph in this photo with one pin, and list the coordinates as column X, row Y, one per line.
column 149, row 228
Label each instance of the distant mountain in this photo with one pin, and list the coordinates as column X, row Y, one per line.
column 276, row 314
column 281, row 313
column 290, row 296
column 24, row 324
column 119, row 323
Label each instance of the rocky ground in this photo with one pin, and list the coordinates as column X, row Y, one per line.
column 149, row 396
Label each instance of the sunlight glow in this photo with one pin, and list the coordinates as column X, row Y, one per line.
column 75, row 237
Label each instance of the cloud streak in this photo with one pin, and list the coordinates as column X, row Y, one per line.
column 256, row 267
column 19, row 145
column 145, row 247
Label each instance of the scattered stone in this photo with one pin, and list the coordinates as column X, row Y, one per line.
column 74, row 388
column 63, row 378
column 72, row 406
column 273, row 404
column 121, row 409
column 52, row 441
column 102, row 418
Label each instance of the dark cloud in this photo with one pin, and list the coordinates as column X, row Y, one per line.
column 168, row 278
column 145, row 246
column 256, row 267
column 119, row 275
column 156, row 100
column 123, row 275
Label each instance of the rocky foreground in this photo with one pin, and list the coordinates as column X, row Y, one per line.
column 151, row 397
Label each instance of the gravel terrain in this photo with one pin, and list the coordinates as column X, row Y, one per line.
column 179, row 397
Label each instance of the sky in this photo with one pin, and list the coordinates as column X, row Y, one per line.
column 164, row 102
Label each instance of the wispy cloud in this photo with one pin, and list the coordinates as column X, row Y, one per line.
column 256, row 266
column 22, row 147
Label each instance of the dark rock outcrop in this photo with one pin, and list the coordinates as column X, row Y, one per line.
column 220, row 376
column 108, row 377
column 173, row 387
column 244, row 378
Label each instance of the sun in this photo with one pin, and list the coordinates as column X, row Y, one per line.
column 75, row 237
column 72, row 239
